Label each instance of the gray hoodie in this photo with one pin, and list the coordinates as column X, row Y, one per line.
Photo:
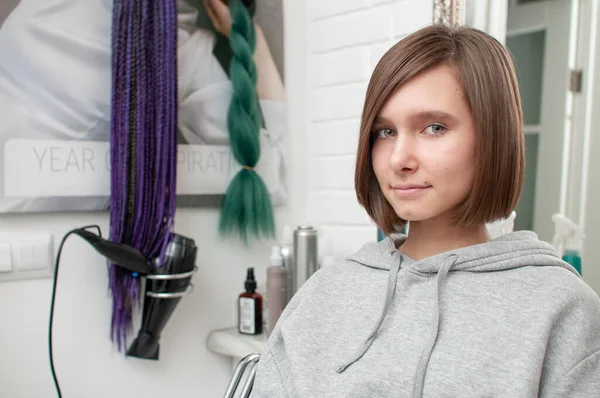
column 506, row 318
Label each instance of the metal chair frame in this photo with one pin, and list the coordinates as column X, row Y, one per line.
column 248, row 366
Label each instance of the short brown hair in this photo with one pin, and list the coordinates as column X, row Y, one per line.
column 486, row 72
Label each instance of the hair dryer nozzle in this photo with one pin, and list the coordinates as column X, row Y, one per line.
column 122, row 255
column 144, row 346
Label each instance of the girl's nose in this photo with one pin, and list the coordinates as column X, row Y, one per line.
column 403, row 157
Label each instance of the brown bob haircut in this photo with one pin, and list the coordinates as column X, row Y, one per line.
column 487, row 75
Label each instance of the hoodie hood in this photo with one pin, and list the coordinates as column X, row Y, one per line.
column 513, row 250
column 510, row 251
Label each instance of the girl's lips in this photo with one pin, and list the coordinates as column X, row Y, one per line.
column 407, row 191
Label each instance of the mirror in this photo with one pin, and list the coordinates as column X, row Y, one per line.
column 553, row 48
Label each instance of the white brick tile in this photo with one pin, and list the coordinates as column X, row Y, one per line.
column 341, row 66
column 337, row 102
column 318, row 9
column 333, row 172
column 377, row 51
column 362, row 27
column 343, row 241
column 340, row 208
column 411, row 15
column 335, row 138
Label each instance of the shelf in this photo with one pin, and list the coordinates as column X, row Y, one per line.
column 231, row 343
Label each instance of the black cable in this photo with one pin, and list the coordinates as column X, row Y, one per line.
column 51, row 322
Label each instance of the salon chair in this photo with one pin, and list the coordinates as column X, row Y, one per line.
column 243, row 377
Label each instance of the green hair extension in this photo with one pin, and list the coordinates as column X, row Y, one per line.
column 247, row 208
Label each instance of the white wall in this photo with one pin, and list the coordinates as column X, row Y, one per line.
column 331, row 48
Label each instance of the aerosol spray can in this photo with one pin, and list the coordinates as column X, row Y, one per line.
column 287, row 252
column 306, row 250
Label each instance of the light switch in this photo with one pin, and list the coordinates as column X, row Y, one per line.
column 5, row 259
column 25, row 256
column 42, row 255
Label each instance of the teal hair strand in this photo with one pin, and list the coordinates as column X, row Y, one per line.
column 247, row 210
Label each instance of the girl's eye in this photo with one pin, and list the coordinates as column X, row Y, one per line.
column 435, row 129
column 385, row 133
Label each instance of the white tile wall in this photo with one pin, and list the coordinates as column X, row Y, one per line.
column 333, row 172
column 318, row 9
column 403, row 14
column 337, row 137
column 338, row 207
column 377, row 2
column 339, row 240
column 360, row 27
column 346, row 39
column 342, row 66
column 338, row 102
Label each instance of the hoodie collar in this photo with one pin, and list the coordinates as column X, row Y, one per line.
column 513, row 250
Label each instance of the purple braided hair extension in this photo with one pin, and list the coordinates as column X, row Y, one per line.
column 143, row 142
column 122, row 16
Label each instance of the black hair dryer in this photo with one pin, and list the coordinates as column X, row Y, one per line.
column 164, row 288
column 165, row 285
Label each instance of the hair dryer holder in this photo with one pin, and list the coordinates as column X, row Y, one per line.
column 133, row 260
column 168, row 279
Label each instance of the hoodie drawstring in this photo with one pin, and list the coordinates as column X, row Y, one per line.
column 419, row 379
column 390, row 291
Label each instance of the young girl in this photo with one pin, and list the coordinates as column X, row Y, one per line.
column 444, row 311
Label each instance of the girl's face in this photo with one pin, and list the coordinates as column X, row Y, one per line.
column 424, row 147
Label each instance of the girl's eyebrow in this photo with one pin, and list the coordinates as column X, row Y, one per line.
column 421, row 116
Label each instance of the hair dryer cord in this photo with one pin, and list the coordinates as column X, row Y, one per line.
column 52, row 300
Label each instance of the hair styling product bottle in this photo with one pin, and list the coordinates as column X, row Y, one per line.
column 250, row 305
column 276, row 288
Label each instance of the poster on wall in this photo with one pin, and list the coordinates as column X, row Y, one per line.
column 55, row 90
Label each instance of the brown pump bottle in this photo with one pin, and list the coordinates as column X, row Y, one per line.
column 250, row 307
